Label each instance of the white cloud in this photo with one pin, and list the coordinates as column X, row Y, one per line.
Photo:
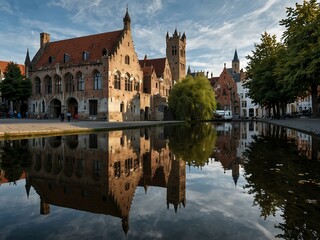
column 213, row 29
column 6, row 7
column 155, row 6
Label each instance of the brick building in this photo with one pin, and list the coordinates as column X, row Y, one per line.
column 225, row 86
column 98, row 77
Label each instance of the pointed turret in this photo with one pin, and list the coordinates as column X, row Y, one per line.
column 126, row 21
column 27, row 60
column 27, row 63
column 183, row 38
column 175, row 34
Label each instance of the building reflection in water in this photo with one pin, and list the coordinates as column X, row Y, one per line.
column 233, row 139
column 99, row 173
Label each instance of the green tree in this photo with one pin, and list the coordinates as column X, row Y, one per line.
column 281, row 178
column 262, row 77
column 194, row 143
column 15, row 159
column 302, row 38
column 15, row 87
column 192, row 99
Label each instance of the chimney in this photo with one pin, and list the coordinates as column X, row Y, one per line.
column 44, row 39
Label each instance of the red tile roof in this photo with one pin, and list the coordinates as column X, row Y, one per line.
column 93, row 44
column 157, row 63
column 3, row 66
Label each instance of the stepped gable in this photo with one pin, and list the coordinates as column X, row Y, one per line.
column 75, row 47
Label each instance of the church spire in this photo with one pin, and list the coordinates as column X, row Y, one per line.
column 236, row 62
column 235, row 57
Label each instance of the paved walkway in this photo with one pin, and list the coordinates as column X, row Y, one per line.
column 17, row 128
column 308, row 125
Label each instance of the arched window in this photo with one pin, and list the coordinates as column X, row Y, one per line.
column 128, row 83
column 80, row 81
column 97, row 80
column 69, row 83
column 37, row 85
column 174, row 50
column 48, row 84
column 117, row 84
column 137, row 85
column 57, row 84
column 127, row 60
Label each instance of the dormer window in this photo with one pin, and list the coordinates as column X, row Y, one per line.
column 105, row 52
column 85, row 55
column 66, row 57
column 51, row 59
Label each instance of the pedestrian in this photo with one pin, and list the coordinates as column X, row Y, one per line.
column 76, row 117
column 69, row 116
column 62, row 117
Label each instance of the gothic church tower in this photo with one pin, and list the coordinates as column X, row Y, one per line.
column 236, row 63
column 176, row 55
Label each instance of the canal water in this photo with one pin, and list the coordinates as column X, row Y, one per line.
column 205, row 181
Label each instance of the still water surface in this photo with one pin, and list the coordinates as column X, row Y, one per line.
column 206, row 181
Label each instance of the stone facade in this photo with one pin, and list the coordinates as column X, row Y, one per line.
column 96, row 77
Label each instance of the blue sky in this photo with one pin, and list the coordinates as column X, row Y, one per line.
column 214, row 28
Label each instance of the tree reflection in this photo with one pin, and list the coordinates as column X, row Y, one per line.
column 281, row 178
column 193, row 143
column 15, row 159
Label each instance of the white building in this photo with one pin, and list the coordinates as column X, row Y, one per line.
column 248, row 109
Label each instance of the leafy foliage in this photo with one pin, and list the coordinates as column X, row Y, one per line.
column 264, row 75
column 280, row 176
column 192, row 99
column 14, row 87
column 192, row 143
column 15, row 159
column 278, row 73
column 302, row 38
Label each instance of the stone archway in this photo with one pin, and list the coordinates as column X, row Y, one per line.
column 72, row 106
column 55, row 108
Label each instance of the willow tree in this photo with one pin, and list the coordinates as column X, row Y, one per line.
column 192, row 99
column 302, row 38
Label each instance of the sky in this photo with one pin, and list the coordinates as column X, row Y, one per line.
column 214, row 28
